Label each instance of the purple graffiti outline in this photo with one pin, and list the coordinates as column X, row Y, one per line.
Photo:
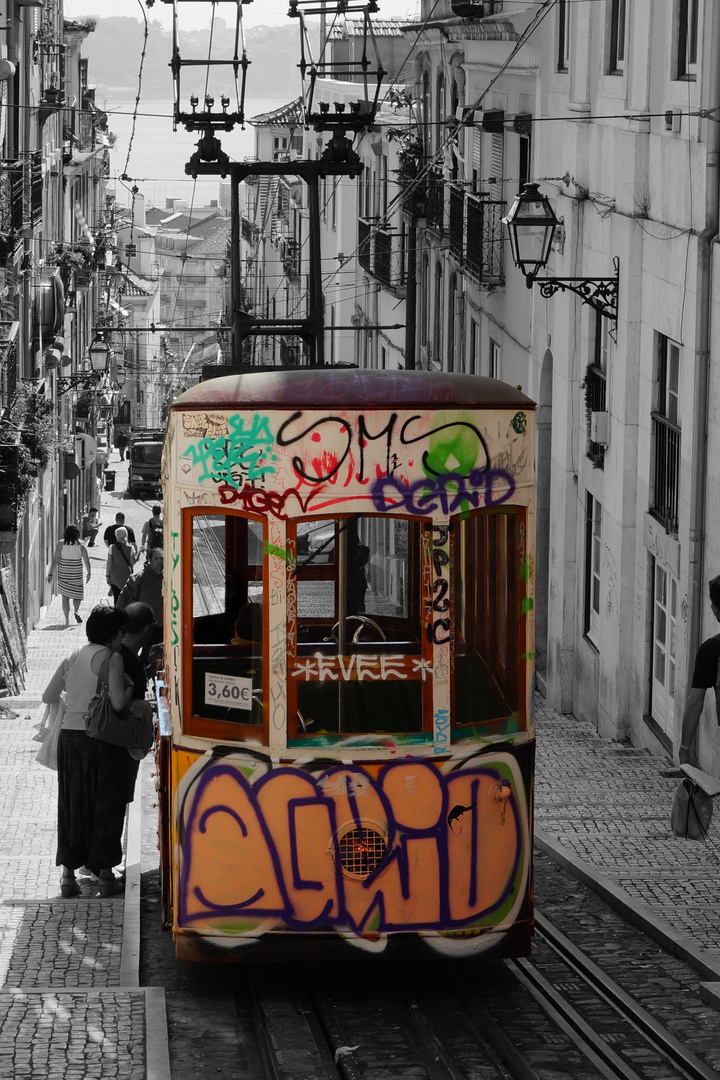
column 399, row 834
column 436, row 488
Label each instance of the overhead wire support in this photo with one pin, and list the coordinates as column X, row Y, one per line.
column 202, row 119
column 363, row 111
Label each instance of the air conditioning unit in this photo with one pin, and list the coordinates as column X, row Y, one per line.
column 599, row 428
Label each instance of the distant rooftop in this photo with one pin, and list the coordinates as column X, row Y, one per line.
column 286, row 116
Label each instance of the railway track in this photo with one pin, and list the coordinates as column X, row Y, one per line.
column 557, row 1015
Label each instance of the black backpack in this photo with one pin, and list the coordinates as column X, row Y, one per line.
column 155, row 534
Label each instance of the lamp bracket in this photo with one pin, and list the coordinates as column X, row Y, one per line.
column 600, row 293
column 86, row 381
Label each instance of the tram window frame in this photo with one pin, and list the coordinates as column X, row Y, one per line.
column 414, row 646
column 492, row 584
column 195, row 724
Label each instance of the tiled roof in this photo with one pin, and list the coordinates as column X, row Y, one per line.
column 286, row 116
column 355, row 28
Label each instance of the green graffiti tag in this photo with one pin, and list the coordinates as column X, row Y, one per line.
column 245, row 453
column 519, row 422
column 273, row 549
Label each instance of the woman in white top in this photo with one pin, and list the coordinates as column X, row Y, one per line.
column 92, row 775
column 70, row 556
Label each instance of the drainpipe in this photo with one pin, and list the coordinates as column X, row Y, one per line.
column 701, row 405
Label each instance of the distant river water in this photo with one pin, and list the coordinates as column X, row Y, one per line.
column 158, row 154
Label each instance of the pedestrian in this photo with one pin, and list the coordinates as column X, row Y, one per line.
column 138, row 634
column 147, row 587
column 109, row 534
column 152, row 534
column 92, row 775
column 69, row 557
column 121, row 443
column 705, row 675
column 120, row 560
column 91, row 525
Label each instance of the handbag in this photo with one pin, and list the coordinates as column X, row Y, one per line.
column 123, row 728
column 52, row 723
column 691, row 811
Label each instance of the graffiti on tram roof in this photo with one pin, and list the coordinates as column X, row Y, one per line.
column 413, row 462
column 361, row 850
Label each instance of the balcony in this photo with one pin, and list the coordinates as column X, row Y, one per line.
column 476, row 235
column 436, row 200
column 666, row 472
column 382, row 253
column 21, row 189
column 291, row 257
column 595, row 386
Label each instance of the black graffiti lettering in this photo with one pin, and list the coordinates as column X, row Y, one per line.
column 440, row 587
column 408, row 441
column 438, row 626
column 442, row 535
column 363, row 434
column 287, row 440
column 440, row 559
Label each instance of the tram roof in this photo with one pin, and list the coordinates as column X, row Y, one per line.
column 341, row 387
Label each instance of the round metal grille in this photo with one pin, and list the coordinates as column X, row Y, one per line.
column 361, row 851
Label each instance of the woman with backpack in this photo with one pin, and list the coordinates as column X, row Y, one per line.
column 152, row 534
column 120, row 560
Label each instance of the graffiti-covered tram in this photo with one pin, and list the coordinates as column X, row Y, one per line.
column 347, row 748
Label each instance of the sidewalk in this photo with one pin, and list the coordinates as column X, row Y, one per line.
column 71, row 1006
column 602, row 810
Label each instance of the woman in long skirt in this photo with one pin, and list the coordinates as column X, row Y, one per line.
column 70, row 557
column 92, row 775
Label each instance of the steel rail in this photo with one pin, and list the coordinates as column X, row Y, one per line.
column 624, row 1003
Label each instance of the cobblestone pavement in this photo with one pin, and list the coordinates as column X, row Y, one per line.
column 70, row 1004
column 603, row 809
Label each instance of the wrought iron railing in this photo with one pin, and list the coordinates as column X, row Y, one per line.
column 595, row 385
column 382, row 253
column 20, row 198
column 435, row 200
column 666, row 471
column 476, row 234
column 389, row 258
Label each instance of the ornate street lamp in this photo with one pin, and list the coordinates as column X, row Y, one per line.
column 99, row 353
column 531, row 225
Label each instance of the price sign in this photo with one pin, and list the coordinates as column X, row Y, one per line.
column 230, row 690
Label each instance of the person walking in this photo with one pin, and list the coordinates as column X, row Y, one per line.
column 705, row 675
column 69, row 557
column 109, row 534
column 138, row 634
column 92, row 775
column 147, row 587
column 120, row 560
column 121, row 443
column 152, row 534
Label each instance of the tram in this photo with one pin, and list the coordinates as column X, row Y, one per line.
column 346, row 750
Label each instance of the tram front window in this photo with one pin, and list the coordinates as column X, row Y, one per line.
column 227, row 594
column 487, row 614
column 358, row 625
